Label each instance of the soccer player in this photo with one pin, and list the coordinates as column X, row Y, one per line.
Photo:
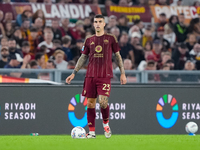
column 99, row 49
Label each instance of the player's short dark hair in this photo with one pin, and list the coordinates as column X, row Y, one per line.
column 38, row 55
column 99, row 16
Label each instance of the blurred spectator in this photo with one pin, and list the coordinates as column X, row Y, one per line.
column 50, row 64
column 169, row 35
column 148, row 46
column 18, row 37
column 8, row 17
column 88, row 32
column 142, row 2
column 4, row 55
column 39, row 57
column 123, row 23
column 13, row 47
column 137, row 52
column 125, row 46
column 2, row 31
column 39, row 14
column 170, row 63
column 71, row 64
column 148, row 55
column 76, row 49
column 66, row 42
column 15, row 62
column 9, row 29
column 134, row 29
column 165, row 56
column 87, row 23
column 26, row 14
column 151, row 2
column 191, row 41
column 48, row 37
column 166, row 77
column 189, row 66
column 48, row 1
column 4, row 42
column 180, row 29
column 25, row 28
column 1, row 15
column 64, row 26
column 195, row 55
column 173, row 20
column 32, row 65
column 177, row 3
column 43, row 49
column 196, row 4
column 115, row 31
column 33, row 40
column 123, row 3
column 147, row 36
column 157, row 48
column 162, row 20
column 57, row 44
column 77, row 32
column 162, row 2
column 180, row 56
column 26, row 50
column 38, row 24
column 164, row 42
column 56, row 30
column 151, row 65
column 112, row 22
column 139, row 24
column 194, row 27
column 108, row 2
column 129, row 66
column 59, row 60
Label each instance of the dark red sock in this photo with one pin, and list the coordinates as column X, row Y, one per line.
column 91, row 114
column 105, row 114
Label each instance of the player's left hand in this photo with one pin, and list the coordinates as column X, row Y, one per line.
column 123, row 79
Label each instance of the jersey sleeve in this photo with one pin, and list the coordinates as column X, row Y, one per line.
column 85, row 49
column 115, row 45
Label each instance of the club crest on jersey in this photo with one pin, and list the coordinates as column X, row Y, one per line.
column 98, row 48
column 82, row 48
column 106, row 41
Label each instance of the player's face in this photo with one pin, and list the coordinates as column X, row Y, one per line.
column 99, row 24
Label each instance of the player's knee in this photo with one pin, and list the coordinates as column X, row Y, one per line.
column 103, row 104
column 91, row 104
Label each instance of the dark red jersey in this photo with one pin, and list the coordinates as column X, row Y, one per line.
column 100, row 50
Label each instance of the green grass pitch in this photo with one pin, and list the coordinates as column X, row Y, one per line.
column 116, row 142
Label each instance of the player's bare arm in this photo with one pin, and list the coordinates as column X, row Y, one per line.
column 121, row 68
column 79, row 65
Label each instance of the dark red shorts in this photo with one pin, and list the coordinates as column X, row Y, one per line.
column 96, row 86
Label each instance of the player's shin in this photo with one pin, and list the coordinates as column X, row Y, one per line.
column 105, row 115
column 91, row 114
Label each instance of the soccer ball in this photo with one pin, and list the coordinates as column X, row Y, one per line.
column 78, row 133
column 191, row 127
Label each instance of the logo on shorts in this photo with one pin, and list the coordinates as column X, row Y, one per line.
column 84, row 92
column 162, row 102
column 76, row 100
column 107, row 93
column 98, row 48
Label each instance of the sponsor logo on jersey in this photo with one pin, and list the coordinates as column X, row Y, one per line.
column 92, row 43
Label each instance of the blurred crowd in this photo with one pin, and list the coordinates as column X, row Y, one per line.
column 28, row 42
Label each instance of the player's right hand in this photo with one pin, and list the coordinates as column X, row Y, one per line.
column 70, row 78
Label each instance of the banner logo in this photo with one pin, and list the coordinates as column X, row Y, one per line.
column 162, row 103
column 77, row 99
